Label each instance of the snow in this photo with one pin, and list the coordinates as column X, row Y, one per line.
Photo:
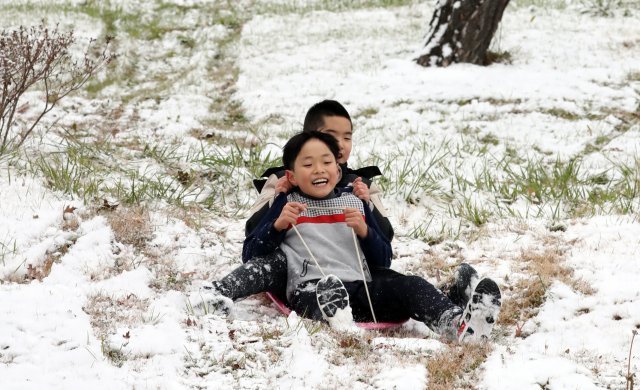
column 109, row 316
column 403, row 378
column 299, row 355
column 342, row 320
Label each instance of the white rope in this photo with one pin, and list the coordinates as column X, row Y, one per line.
column 355, row 244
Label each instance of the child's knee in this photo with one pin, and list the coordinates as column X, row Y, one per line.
column 413, row 281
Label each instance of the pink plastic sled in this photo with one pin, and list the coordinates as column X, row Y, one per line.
column 365, row 325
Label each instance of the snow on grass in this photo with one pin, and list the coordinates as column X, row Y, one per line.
column 298, row 356
column 32, row 225
column 47, row 340
column 464, row 151
column 543, row 100
column 406, row 378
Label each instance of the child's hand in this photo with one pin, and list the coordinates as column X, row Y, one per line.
column 289, row 215
column 354, row 220
column 283, row 185
column 361, row 190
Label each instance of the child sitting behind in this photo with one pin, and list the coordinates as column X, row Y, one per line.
column 331, row 117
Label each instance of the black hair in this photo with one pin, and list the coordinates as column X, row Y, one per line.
column 292, row 148
column 316, row 114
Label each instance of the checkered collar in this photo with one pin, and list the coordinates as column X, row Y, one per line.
column 332, row 195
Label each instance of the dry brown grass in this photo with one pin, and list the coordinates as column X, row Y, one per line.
column 107, row 312
column 38, row 270
column 432, row 264
column 366, row 356
column 131, row 226
column 437, row 267
column 355, row 347
column 527, row 295
column 448, row 368
column 192, row 216
column 351, row 349
column 167, row 275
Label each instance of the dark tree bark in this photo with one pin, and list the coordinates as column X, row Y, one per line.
column 461, row 31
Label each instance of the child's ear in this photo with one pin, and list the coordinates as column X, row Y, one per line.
column 339, row 171
column 291, row 177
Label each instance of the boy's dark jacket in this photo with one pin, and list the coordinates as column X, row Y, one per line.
column 348, row 176
column 264, row 239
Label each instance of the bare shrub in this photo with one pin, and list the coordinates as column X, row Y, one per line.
column 37, row 57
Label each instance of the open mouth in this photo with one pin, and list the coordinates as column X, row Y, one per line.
column 320, row 182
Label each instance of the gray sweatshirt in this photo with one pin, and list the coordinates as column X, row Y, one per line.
column 328, row 237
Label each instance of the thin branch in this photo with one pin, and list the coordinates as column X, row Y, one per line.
column 30, row 56
column 629, row 374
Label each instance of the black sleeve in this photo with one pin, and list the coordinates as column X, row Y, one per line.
column 255, row 219
column 367, row 174
column 264, row 238
column 375, row 247
column 383, row 223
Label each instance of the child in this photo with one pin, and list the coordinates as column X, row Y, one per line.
column 319, row 219
column 327, row 116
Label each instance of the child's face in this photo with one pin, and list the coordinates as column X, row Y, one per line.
column 340, row 128
column 315, row 170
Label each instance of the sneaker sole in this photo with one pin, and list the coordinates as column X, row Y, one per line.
column 331, row 296
column 481, row 312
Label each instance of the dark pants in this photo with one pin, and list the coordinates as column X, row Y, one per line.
column 260, row 274
column 394, row 297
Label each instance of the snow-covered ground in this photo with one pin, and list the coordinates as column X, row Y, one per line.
column 112, row 314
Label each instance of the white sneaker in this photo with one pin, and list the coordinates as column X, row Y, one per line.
column 333, row 300
column 481, row 312
column 331, row 296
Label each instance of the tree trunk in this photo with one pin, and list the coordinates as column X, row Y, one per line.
column 461, row 31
